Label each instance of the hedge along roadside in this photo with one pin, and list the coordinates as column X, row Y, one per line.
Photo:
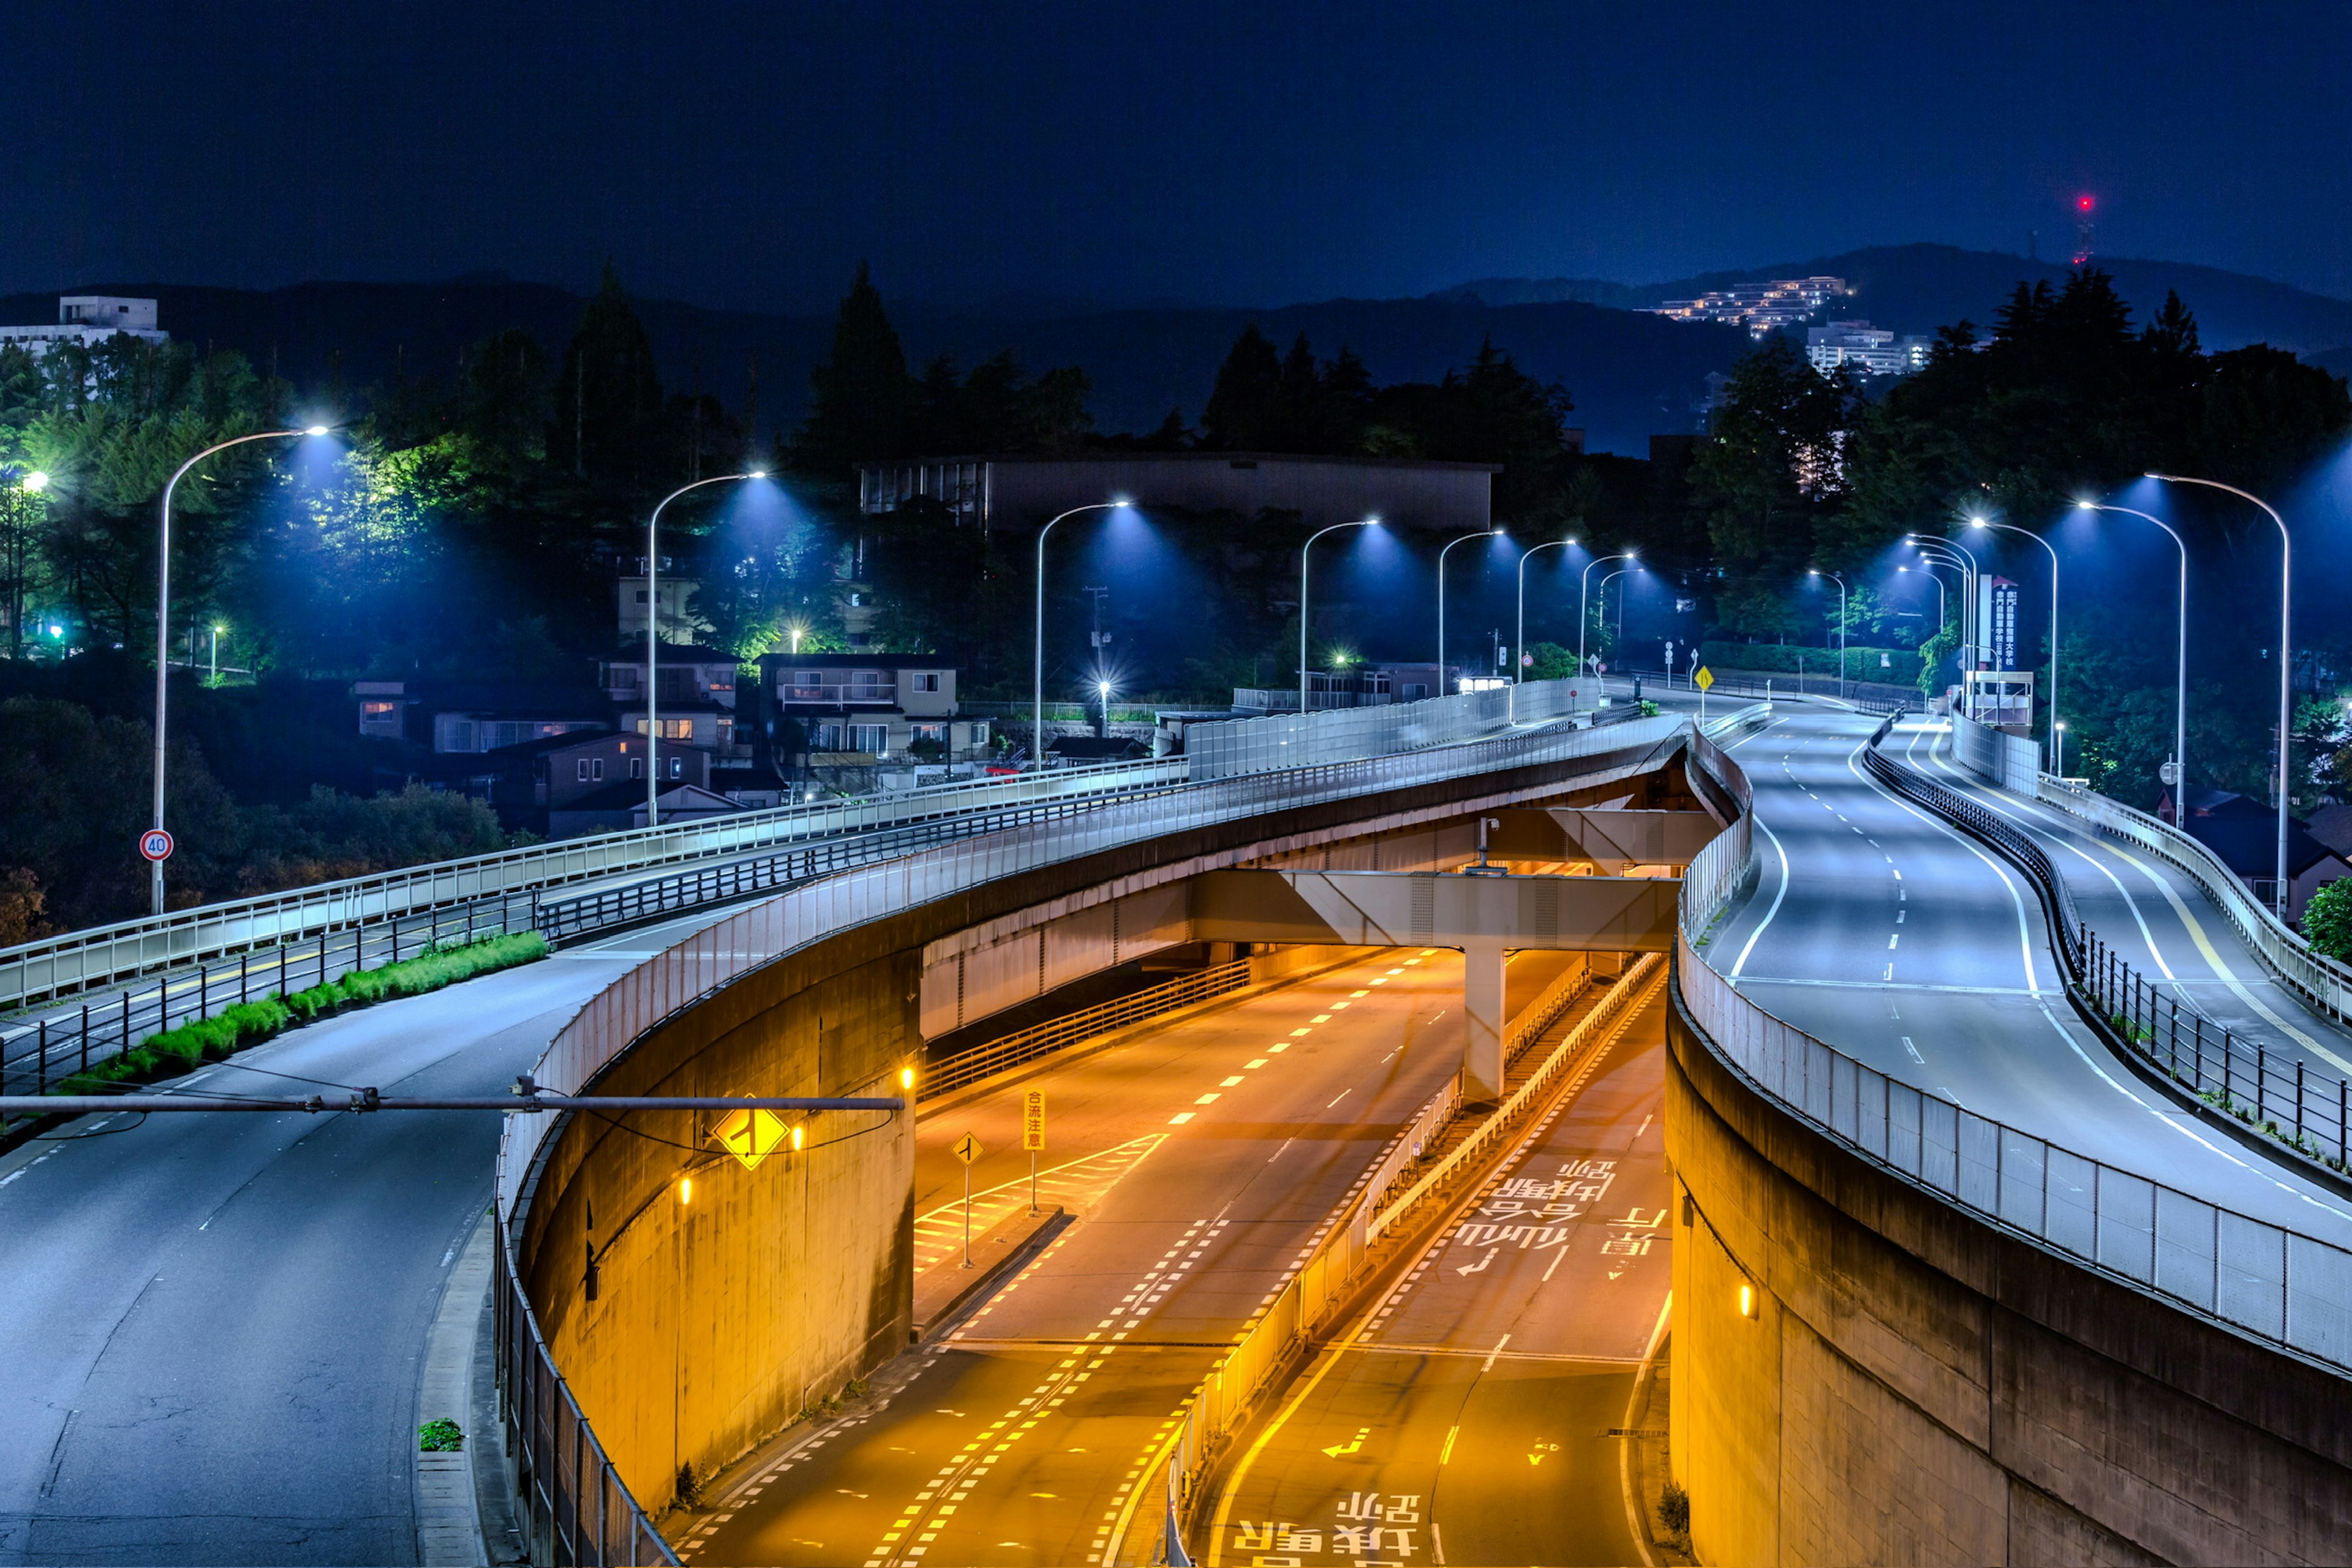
column 187, row 1047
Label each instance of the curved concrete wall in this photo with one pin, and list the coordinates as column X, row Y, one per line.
column 716, row 1322
column 1916, row 1386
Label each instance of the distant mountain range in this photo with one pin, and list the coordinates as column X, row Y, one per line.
column 1631, row 374
column 1919, row 288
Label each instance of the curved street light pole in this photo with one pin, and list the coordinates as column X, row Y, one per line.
column 2180, row 659
column 653, row 636
column 1483, row 533
column 1519, row 628
column 1971, row 586
column 2012, row 528
column 1583, row 581
column 1359, row 522
column 163, row 621
column 2286, row 657
column 1840, row 580
column 1037, row 665
column 1943, row 610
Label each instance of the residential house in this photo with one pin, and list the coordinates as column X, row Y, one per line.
column 2244, row 833
column 694, row 697
column 849, row 710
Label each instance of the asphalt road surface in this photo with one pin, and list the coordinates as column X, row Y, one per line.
column 1203, row 1162
column 2160, row 920
column 1879, row 929
column 1476, row 1415
column 214, row 1326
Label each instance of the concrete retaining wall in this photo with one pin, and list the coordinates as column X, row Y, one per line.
column 1915, row 1386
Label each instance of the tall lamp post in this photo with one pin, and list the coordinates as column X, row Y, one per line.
column 1840, row 580
column 2012, row 528
column 2286, row 658
column 2181, row 658
column 1037, row 667
column 1963, row 560
column 1359, row 522
column 164, row 620
column 653, row 638
column 1519, row 635
column 1943, row 611
column 1487, row 534
column 1583, row 582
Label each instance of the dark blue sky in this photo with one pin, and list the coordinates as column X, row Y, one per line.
column 1246, row 153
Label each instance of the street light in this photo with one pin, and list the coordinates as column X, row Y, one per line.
column 218, row 629
column 1520, row 649
column 1487, row 533
column 1359, row 522
column 1961, row 558
column 1815, row 572
column 1037, row 670
column 1942, row 610
column 2286, row 663
column 1583, row 580
column 2012, row 528
column 2180, row 658
column 35, row 482
column 164, row 618
column 653, row 638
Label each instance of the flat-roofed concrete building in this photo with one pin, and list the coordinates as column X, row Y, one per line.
column 1023, row 492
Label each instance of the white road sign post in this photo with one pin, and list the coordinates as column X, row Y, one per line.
column 967, row 1149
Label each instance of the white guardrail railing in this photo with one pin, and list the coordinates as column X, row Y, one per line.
column 58, row 965
column 2279, row 1286
column 61, row 965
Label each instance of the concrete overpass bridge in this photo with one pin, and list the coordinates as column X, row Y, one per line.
column 2023, row 1307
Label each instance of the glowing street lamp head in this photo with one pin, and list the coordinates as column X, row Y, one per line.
column 1120, row 503
column 315, row 431
column 36, row 482
column 757, row 474
column 1812, row 571
column 1102, row 688
column 1976, row 522
column 2086, row 506
column 1631, row 554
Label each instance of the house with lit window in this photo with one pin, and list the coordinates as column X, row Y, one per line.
column 564, row 785
column 861, row 710
column 694, row 697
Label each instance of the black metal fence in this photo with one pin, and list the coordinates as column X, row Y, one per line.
column 1028, row 1044
column 575, row 1508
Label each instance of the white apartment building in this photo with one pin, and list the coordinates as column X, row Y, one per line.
column 1874, row 351
column 89, row 319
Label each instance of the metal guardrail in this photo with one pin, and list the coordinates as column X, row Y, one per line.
column 2279, row 1286
column 576, row 1508
column 1042, row 1039
column 2302, row 1106
column 1293, row 740
column 2322, row 982
column 61, row 965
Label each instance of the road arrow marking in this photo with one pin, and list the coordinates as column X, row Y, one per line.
column 1341, row 1451
column 1479, row 1266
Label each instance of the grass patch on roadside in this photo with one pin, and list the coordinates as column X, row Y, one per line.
column 186, row 1046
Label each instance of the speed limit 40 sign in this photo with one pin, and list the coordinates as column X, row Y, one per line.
column 156, row 844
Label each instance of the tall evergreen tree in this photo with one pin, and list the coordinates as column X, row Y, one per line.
column 1244, row 406
column 862, row 400
column 606, row 424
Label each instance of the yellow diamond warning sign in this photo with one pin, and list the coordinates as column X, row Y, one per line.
column 751, row 1136
column 1704, row 679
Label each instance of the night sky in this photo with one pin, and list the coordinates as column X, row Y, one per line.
column 1235, row 154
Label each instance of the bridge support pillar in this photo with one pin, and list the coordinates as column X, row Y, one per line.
column 1482, row 1000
